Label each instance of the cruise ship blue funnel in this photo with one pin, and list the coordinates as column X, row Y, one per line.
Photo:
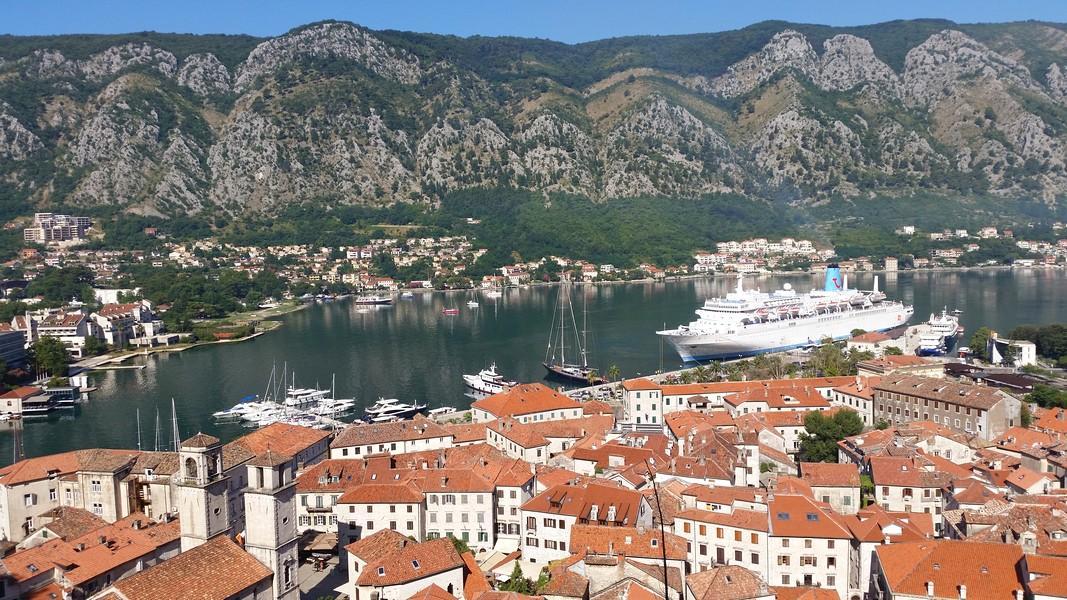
column 834, row 283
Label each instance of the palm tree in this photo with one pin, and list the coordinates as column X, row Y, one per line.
column 701, row 374
column 613, row 373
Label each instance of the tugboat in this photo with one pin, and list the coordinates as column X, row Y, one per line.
column 488, row 381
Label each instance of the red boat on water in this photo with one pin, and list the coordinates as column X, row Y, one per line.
column 450, row 311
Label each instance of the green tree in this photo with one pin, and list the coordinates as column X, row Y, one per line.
column 819, row 442
column 517, row 582
column 979, row 343
column 461, row 545
column 613, row 373
column 94, row 346
column 1026, row 417
column 48, row 355
column 893, row 351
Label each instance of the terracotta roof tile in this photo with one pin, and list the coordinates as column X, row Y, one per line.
column 419, row 428
column 987, row 570
column 411, row 563
column 805, row 593
column 567, row 584
column 215, row 570
column 282, row 438
column 726, row 582
column 798, row 516
column 525, row 399
column 68, row 522
column 579, row 500
column 432, row 592
column 382, row 493
column 830, row 474
column 378, row 546
column 635, row 542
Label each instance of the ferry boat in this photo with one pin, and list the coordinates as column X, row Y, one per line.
column 943, row 331
column 750, row 322
column 488, row 381
column 374, row 299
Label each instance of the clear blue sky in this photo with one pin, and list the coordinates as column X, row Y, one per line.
column 564, row 20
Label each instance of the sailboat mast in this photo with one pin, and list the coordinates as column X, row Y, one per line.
column 585, row 310
column 174, row 423
column 138, row 429
column 157, row 429
column 562, row 317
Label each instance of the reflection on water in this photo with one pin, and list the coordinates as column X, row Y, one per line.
column 413, row 352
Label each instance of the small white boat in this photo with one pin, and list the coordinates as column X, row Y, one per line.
column 441, row 410
column 488, row 381
column 374, row 299
column 407, row 295
column 494, row 294
column 472, row 303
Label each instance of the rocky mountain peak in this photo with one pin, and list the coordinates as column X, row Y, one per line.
column 934, row 69
column 848, row 61
column 329, row 40
column 786, row 49
column 205, row 74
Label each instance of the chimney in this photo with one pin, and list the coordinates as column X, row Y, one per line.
column 930, row 589
column 1018, row 594
column 101, row 539
column 963, row 592
column 137, row 524
column 593, row 512
column 611, row 513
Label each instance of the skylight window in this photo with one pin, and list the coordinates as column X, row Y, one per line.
column 783, row 516
column 813, row 517
column 415, row 564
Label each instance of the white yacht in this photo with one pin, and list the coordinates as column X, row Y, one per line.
column 488, row 381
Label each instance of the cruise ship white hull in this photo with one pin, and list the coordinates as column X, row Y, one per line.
column 786, row 334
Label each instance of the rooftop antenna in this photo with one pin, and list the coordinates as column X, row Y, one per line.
column 174, row 424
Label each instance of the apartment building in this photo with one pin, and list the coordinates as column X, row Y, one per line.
column 836, row 484
column 459, row 503
column 547, row 518
column 389, row 567
column 371, row 507
column 909, row 484
column 728, row 536
column 53, row 228
column 857, row 395
column 526, row 403
column 807, row 545
column 393, row 438
column 536, row 442
column 983, row 411
column 646, row 402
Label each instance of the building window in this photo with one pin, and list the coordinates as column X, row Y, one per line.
column 783, row 560
column 94, row 486
column 98, row 508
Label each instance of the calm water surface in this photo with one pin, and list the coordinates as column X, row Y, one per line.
column 413, row 352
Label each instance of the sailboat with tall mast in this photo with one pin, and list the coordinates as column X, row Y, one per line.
column 556, row 353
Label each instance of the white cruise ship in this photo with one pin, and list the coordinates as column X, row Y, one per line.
column 750, row 322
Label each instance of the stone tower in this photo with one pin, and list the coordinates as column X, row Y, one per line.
column 203, row 491
column 270, row 519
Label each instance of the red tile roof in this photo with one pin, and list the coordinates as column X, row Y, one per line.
column 215, row 570
column 635, row 542
column 805, row 593
column 830, row 474
column 524, row 399
column 432, row 592
column 987, row 570
column 382, row 493
column 419, row 428
column 373, row 548
column 579, row 500
column 1051, row 575
column 281, row 438
column 726, row 582
column 740, row 518
column 798, row 516
column 412, row 563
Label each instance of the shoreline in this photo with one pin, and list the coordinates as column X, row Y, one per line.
column 112, row 361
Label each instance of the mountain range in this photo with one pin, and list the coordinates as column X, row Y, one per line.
column 334, row 113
